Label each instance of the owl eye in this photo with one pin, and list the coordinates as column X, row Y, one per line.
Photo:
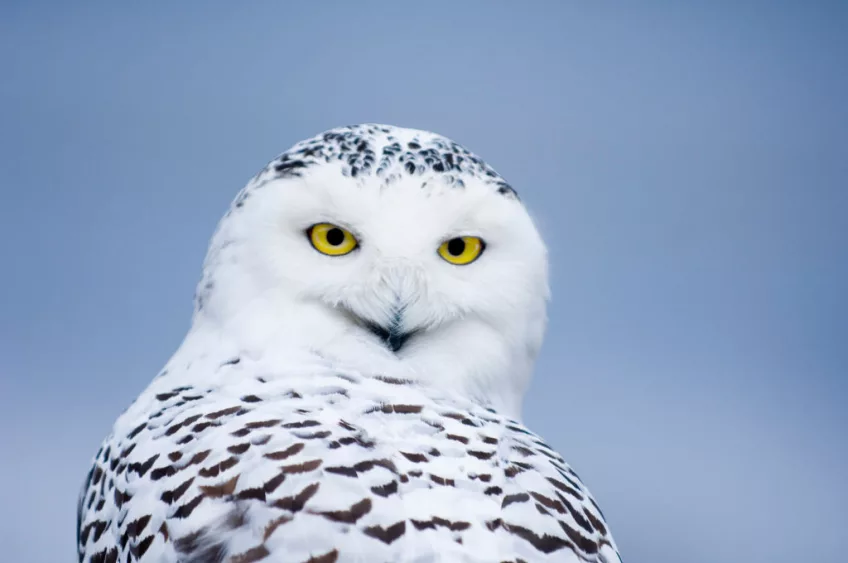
column 331, row 240
column 462, row 250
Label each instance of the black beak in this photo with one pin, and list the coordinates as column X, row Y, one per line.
column 393, row 338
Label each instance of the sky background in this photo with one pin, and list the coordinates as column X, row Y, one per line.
column 687, row 164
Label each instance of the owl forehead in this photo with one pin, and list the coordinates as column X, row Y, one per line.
column 383, row 156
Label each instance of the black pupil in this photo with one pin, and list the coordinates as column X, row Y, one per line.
column 335, row 236
column 456, row 246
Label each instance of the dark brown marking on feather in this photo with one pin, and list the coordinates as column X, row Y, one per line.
column 414, row 457
column 251, row 555
column 578, row 517
column 271, row 484
column 175, row 493
column 565, row 488
column 191, row 420
column 442, row 481
column 341, row 470
column 139, row 549
column 519, row 429
column 201, row 551
column 120, row 498
column 392, row 380
column 544, row 543
column 197, row 458
column 262, row 424
column 164, row 471
column 595, row 522
column 221, row 489
column 185, row 510
column 436, row 522
column 347, row 425
column 526, row 452
column 295, row 503
column 142, row 468
column 481, row 455
column 304, row 467
column 574, row 483
column 238, row 448
column 549, row 502
column 489, row 440
column 552, row 456
column 105, row 556
column 583, row 543
column 201, row 426
column 241, row 433
column 288, row 452
column 542, row 510
column 493, row 491
column 251, row 399
column 302, row 424
column 396, row 409
column 512, row 471
column 175, row 455
column 458, row 438
column 351, row 515
column 136, row 527
column 214, row 470
column 510, row 499
column 388, row 534
column 386, row 490
column 313, row 435
column 329, row 557
column 359, row 440
column 274, row 524
column 223, row 412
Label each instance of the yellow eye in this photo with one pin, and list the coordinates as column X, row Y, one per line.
column 331, row 240
column 462, row 250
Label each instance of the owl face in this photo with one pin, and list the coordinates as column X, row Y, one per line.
column 413, row 264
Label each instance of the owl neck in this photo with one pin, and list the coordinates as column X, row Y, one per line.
column 466, row 357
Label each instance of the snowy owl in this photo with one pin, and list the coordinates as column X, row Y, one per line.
column 350, row 389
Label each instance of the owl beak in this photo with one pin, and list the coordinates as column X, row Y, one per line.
column 393, row 335
column 394, row 339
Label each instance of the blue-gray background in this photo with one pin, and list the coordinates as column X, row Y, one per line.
column 687, row 164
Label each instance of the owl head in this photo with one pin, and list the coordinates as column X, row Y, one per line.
column 386, row 250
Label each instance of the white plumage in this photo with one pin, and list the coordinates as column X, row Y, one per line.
column 351, row 403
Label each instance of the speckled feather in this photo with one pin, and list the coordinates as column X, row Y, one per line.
column 238, row 456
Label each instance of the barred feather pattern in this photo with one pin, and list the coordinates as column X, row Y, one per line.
column 328, row 466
